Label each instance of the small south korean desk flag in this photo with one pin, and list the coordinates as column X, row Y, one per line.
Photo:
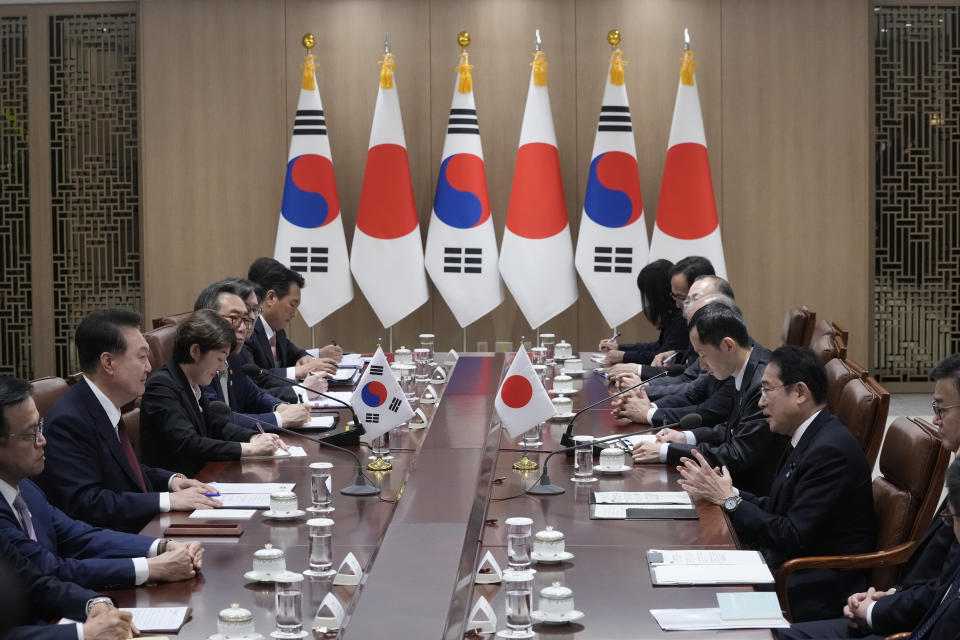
column 522, row 402
column 310, row 232
column 379, row 402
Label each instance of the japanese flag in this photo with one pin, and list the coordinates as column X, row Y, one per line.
column 378, row 401
column 522, row 402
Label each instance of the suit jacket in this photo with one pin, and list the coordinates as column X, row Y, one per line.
column 178, row 433
column 943, row 611
column 44, row 597
column 257, row 349
column 674, row 336
column 243, row 395
column 70, row 549
column 713, row 399
column 662, row 387
column 820, row 503
column 87, row 474
column 744, row 443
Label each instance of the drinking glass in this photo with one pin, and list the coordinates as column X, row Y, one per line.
column 380, row 447
column 547, row 340
column 539, row 355
column 583, row 459
column 290, row 606
column 320, row 487
column 531, row 437
column 426, row 342
column 421, row 360
column 321, row 547
column 519, row 542
column 518, row 587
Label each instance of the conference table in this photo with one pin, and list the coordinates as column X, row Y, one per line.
column 441, row 508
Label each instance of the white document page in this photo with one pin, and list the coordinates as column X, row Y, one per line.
column 252, row 487
column 643, row 497
column 712, row 574
column 223, row 514
column 633, row 441
column 344, row 374
column 700, row 619
column 707, row 556
column 321, row 422
column 327, row 403
column 158, row 618
column 245, row 500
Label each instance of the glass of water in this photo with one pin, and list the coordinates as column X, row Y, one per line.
column 531, row 437
column 289, row 606
column 320, row 487
column 426, row 342
column 518, row 587
column 321, row 547
column 583, row 459
column 519, row 543
column 421, row 360
column 538, row 355
column 547, row 340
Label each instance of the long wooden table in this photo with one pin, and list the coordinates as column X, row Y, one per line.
column 420, row 552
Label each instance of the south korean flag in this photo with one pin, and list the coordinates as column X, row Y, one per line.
column 378, row 401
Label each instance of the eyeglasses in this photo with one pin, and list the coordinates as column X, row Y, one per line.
column 938, row 409
column 35, row 434
column 679, row 297
column 764, row 390
column 254, row 311
column 238, row 320
column 948, row 517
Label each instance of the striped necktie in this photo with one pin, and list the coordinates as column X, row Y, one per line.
column 21, row 506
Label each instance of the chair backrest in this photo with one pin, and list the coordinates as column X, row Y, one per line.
column 827, row 342
column 905, row 494
column 863, row 408
column 839, row 373
column 131, row 419
column 798, row 326
column 160, row 342
column 47, row 391
column 173, row 318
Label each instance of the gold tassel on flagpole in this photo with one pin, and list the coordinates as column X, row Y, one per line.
column 539, row 65
column 309, row 79
column 688, row 68
column 617, row 63
column 387, row 67
column 466, row 81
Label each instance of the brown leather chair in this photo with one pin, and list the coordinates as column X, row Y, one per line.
column 173, row 318
column 47, row 391
column 160, row 342
column 798, row 326
column 905, row 497
column 839, row 373
column 863, row 408
column 131, row 419
column 828, row 346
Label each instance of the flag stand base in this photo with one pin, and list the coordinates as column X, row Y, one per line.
column 525, row 464
column 379, row 465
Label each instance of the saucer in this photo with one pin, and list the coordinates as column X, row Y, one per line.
column 556, row 618
column 568, row 392
column 574, row 373
column 256, row 577
column 290, row 516
column 553, row 557
column 220, row 636
column 284, row 634
column 623, row 468
column 564, row 416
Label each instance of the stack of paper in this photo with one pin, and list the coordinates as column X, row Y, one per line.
column 153, row 619
column 707, row 566
column 748, row 610
column 345, row 375
column 327, row 403
column 248, row 495
column 641, row 505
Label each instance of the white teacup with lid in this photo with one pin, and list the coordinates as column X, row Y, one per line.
column 562, row 383
column 269, row 562
column 549, row 544
column 402, row 356
column 562, row 350
column 235, row 622
column 556, row 600
column 573, row 365
column 283, row 503
column 611, row 459
column 562, row 405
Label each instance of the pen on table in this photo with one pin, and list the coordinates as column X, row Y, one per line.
column 212, row 495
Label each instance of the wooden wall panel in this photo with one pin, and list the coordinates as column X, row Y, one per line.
column 783, row 87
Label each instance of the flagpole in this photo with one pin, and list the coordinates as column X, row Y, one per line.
column 390, row 338
column 464, row 332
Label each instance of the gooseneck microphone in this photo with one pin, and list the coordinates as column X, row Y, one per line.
column 567, row 438
column 543, row 487
column 253, row 370
column 360, row 486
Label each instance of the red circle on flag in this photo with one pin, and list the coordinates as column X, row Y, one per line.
column 516, row 392
column 687, row 209
column 387, row 209
column 537, row 208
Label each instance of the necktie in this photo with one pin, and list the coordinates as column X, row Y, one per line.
column 273, row 348
column 223, row 386
column 131, row 456
column 21, row 506
column 949, row 598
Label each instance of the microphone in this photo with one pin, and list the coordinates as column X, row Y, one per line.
column 360, row 486
column 567, row 438
column 253, row 370
column 543, row 487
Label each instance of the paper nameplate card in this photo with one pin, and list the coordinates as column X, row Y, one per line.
column 349, row 572
column 489, row 571
column 452, row 357
column 419, row 419
column 482, row 618
column 430, row 395
column 439, row 375
column 330, row 614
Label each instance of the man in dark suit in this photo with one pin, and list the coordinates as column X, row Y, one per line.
column 230, row 299
column 31, row 598
column 56, row 544
column 92, row 472
column 821, row 500
column 279, row 291
column 743, row 442
column 874, row 613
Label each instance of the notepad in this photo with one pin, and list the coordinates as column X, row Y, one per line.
column 640, row 497
column 749, row 605
column 703, row 619
column 698, row 574
column 326, row 403
column 223, row 514
column 153, row 619
column 320, row 423
column 244, row 500
column 252, row 487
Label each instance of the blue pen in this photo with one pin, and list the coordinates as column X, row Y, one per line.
column 212, row 495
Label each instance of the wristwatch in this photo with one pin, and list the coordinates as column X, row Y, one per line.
column 730, row 504
column 92, row 602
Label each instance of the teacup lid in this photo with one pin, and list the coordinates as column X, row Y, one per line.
column 235, row 613
column 612, row 451
column 283, row 495
column 562, row 399
column 401, row 350
column 269, row 552
column 562, row 343
column 429, row 336
column 556, row 591
column 563, row 377
column 421, row 350
column 320, row 522
column 518, row 520
column 549, row 535
column 547, row 335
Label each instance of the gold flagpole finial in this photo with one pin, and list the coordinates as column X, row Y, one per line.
column 308, row 80
column 689, row 66
column 613, row 37
column 463, row 39
column 465, row 84
column 309, row 41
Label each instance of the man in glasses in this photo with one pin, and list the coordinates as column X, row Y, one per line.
column 821, row 499
column 53, row 542
column 231, row 300
column 92, row 472
column 874, row 613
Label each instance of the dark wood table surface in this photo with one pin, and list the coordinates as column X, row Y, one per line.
column 420, row 552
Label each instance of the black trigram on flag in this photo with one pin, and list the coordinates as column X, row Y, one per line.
column 372, row 418
column 462, row 259
column 310, row 122
column 613, row 259
column 394, row 405
column 463, row 121
column 614, row 119
column 309, row 259
column 376, row 370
